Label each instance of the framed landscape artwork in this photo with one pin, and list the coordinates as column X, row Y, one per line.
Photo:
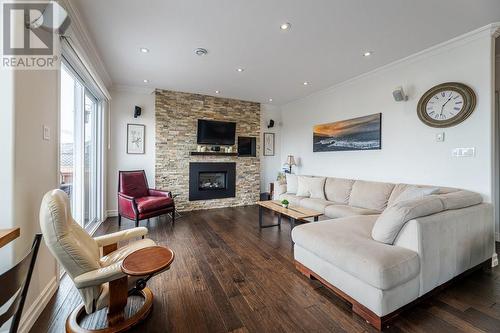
column 135, row 138
column 268, row 144
column 363, row 133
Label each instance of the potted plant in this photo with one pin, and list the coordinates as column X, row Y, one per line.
column 285, row 203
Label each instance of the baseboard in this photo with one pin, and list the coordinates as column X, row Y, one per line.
column 112, row 213
column 31, row 314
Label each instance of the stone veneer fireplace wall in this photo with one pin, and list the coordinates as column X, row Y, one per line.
column 177, row 115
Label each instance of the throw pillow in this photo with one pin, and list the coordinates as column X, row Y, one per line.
column 393, row 218
column 316, row 187
column 414, row 192
column 302, row 186
column 313, row 187
column 291, row 183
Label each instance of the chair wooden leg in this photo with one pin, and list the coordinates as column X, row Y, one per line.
column 119, row 220
column 173, row 217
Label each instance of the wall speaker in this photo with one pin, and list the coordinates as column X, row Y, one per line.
column 137, row 111
column 399, row 94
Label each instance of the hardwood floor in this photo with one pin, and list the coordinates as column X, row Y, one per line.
column 229, row 276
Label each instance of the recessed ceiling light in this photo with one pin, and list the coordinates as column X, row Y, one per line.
column 285, row 26
column 270, row 99
column 200, row 51
column 305, row 83
column 367, row 53
column 145, row 81
column 144, row 50
column 240, row 70
column 217, row 91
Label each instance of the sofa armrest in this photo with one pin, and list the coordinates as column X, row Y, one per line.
column 99, row 276
column 118, row 236
column 279, row 189
column 159, row 193
column 450, row 242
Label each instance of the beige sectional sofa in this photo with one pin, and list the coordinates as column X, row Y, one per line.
column 421, row 243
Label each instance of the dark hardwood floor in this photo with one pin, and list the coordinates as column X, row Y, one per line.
column 229, row 276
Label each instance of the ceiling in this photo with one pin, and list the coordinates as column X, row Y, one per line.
column 324, row 45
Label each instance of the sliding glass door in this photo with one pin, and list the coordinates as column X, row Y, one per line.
column 90, row 159
column 79, row 151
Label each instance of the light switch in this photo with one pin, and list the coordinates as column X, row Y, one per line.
column 46, row 133
column 440, row 137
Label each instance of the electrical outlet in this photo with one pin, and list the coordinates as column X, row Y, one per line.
column 464, row 152
column 46, row 133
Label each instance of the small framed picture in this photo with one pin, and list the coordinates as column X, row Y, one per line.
column 268, row 144
column 135, row 138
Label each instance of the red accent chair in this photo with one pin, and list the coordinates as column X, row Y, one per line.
column 136, row 201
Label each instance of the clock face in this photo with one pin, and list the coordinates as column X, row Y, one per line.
column 447, row 104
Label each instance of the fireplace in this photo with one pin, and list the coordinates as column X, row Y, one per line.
column 211, row 180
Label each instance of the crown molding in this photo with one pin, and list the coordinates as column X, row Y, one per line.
column 79, row 34
column 489, row 31
column 495, row 29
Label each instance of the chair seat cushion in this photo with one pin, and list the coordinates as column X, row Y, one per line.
column 149, row 204
column 124, row 251
column 336, row 211
column 315, row 204
column 347, row 244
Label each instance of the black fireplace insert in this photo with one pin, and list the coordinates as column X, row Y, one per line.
column 211, row 180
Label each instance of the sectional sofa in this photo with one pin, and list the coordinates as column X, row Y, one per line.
column 386, row 245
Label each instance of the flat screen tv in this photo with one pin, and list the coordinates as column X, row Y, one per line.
column 211, row 132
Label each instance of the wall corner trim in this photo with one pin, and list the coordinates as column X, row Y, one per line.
column 31, row 314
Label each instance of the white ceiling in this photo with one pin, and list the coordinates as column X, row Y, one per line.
column 324, row 45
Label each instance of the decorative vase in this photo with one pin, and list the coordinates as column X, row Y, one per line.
column 284, row 206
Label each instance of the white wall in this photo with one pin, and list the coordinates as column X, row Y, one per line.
column 122, row 113
column 409, row 150
column 30, row 170
column 270, row 165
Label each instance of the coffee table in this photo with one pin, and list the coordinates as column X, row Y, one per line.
column 294, row 213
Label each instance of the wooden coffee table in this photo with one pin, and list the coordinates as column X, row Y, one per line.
column 294, row 213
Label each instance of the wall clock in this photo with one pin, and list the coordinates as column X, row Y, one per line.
column 446, row 105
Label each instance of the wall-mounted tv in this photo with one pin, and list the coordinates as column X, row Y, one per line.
column 211, row 132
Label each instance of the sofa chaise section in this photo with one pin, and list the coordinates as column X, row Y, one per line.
column 379, row 279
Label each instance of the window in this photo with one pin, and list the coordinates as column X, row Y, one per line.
column 80, row 139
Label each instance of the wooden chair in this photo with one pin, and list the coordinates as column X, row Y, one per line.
column 14, row 286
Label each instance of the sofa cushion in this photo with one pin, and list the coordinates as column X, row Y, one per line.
column 413, row 192
column 460, row 199
column 390, row 222
column 292, row 198
column 318, row 205
column 336, row 211
column 150, row 204
column 338, row 189
column 291, row 183
column 346, row 243
column 371, row 195
column 313, row 187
